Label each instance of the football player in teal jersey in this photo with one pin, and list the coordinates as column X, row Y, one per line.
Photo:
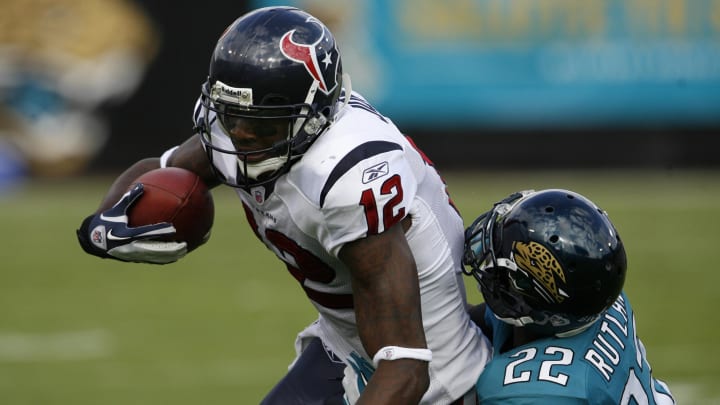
column 551, row 268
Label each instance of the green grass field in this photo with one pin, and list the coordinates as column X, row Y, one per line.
column 218, row 327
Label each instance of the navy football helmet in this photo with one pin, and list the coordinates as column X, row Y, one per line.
column 550, row 261
column 276, row 66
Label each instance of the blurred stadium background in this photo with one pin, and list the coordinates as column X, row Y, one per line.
column 619, row 100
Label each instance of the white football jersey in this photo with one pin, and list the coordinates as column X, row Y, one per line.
column 360, row 177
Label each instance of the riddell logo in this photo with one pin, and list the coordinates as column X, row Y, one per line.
column 236, row 95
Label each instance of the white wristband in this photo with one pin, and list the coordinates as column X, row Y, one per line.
column 396, row 352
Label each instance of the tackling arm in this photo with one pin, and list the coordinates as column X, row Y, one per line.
column 386, row 294
column 477, row 315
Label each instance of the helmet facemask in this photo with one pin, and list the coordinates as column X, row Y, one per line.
column 495, row 274
column 226, row 106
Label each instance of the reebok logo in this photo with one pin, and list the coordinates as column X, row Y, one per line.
column 375, row 172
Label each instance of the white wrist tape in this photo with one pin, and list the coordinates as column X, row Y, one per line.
column 397, row 352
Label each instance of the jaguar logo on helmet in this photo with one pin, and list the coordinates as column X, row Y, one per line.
column 545, row 270
column 322, row 70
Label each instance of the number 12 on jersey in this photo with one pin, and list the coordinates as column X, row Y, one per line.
column 373, row 213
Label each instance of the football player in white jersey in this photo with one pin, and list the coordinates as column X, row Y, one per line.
column 354, row 210
column 551, row 268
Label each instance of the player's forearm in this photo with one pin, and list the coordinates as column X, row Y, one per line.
column 122, row 182
column 402, row 381
column 386, row 295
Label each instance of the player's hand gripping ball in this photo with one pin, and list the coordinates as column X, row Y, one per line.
column 177, row 196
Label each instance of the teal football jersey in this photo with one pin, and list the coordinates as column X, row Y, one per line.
column 605, row 364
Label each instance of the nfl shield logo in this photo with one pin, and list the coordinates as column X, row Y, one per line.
column 259, row 194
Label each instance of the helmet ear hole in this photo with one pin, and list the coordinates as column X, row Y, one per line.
column 554, row 239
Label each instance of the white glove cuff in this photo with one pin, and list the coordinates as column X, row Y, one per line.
column 396, row 352
column 150, row 251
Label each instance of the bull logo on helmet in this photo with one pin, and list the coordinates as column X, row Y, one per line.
column 319, row 58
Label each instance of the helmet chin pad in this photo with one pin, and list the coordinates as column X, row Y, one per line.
column 256, row 169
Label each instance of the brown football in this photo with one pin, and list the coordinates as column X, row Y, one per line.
column 177, row 196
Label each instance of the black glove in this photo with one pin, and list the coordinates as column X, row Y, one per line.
column 108, row 235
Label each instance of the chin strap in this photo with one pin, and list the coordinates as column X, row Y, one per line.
column 254, row 170
column 347, row 84
column 519, row 322
column 300, row 123
column 312, row 126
